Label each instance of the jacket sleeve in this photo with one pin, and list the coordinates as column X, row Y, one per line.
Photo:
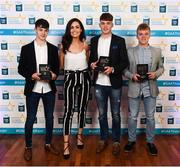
column 127, row 73
column 23, row 67
column 92, row 57
column 124, row 61
column 55, row 68
column 160, row 68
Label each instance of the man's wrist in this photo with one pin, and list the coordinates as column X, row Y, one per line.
column 92, row 65
column 112, row 70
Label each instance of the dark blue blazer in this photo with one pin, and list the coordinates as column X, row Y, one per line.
column 118, row 58
column 27, row 65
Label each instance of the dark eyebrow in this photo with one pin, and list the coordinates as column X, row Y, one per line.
column 75, row 26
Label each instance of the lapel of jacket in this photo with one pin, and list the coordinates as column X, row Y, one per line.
column 135, row 54
column 111, row 46
column 33, row 55
column 49, row 53
column 96, row 46
column 153, row 56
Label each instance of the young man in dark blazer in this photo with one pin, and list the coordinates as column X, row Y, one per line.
column 32, row 55
column 108, row 79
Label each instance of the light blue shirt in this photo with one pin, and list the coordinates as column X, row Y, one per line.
column 145, row 57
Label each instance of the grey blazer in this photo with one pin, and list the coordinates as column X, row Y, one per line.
column 157, row 66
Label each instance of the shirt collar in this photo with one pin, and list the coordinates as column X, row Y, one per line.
column 140, row 47
column 36, row 44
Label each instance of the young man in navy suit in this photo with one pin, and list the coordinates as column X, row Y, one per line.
column 32, row 55
column 108, row 79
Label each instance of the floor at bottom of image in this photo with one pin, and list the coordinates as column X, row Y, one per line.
column 12, row 150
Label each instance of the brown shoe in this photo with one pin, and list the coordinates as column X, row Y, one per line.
column 101, row 146
column 116, row 148
column 50, row 148
column 28, row 153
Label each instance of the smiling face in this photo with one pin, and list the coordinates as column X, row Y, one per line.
column 106, row 27
column 41, row 33
column 143, row 37
column 75, row 29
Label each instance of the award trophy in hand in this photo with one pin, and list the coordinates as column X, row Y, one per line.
column 142, row 70
column 44, row 70
column 102, row 62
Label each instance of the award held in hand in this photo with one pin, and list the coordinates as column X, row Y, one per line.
column 102, row 62
column 44, row 70
column 142, row 70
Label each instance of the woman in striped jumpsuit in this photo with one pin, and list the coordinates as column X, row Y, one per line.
column 74, row 56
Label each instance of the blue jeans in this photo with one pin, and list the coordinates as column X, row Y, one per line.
column 32, row 103
column 102, row 94
column 149, row 108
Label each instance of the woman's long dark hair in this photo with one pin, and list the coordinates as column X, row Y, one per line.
column 67, row 38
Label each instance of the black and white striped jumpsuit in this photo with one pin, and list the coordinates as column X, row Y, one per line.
column 76, row 80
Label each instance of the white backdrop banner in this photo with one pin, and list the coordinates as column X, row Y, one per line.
column 17, row 20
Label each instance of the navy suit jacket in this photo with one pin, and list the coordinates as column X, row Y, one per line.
column 118, row 58
column 27, row 65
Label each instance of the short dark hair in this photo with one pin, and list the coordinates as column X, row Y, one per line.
column 143, row 26
column 42, row 23
column 106, row 17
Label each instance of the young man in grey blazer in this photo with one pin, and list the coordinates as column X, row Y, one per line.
column 145, row 67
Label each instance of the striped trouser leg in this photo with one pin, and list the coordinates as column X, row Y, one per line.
column 83, row 98
column 69, row 99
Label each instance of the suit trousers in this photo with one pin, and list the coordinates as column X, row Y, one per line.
column 32, row 102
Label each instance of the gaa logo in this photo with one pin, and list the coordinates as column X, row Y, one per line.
column 60, row 20
column 47, row 7
column 32, row 20
column 21, row 107
column 174, row 21
column 105, row 7
column 3, row 19
column 5, row 95
column 162, row 8
column 76, row 7
column 117, row 20
column 89, row 21
column 159, row 108
column 4, row 45
column 172, row 71
column 134, row 7
column 170, row 120
column 171, row 95
column 6, row 119
column 173, row 46
column 19, row 6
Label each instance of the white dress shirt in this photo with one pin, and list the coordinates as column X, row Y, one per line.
column 41, row 53
column 103, row 50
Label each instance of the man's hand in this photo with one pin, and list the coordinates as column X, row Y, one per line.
column 151, row 75
column 36, row 77
column 136, row 77
column 108, row 70
column 94, row 65
column 54, row 76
